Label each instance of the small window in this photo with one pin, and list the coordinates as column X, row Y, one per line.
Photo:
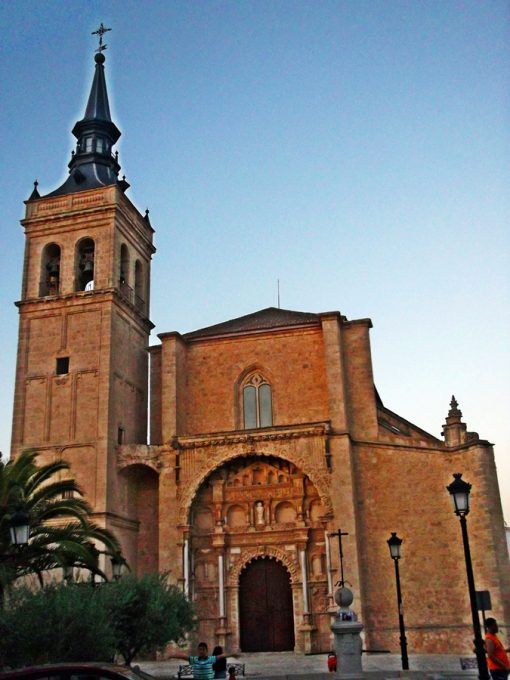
column 62, row 365
column 257, row 402
column 120, row 435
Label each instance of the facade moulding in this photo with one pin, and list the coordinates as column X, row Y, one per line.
column 117, row 520
column 441, row 448
column 303, row 329
column 88, row 297
column 234, row 438
column 70, row 203
column 141, row 454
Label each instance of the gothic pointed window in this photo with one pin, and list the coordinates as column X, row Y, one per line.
column 257, row 402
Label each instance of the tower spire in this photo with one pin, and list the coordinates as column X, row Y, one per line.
column 93, row 164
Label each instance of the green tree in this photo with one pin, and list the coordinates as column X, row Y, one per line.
column 57, row 623
column 146, row 613
column 61, row 530
column 76, row 622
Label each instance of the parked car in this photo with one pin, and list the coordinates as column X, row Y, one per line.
column 77, row 671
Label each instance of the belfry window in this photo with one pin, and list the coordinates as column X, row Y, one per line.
column 257, row 402
column 50, row 270
column 85, row 255
column 139, row 297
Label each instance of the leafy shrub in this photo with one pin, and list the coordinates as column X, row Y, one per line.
column 146, row 613
column 77, row 622
column 58, row 623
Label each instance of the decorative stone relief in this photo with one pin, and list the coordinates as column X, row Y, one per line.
column 272, row 552
column 207, row 465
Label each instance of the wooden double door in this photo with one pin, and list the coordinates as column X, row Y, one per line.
column 265, row 607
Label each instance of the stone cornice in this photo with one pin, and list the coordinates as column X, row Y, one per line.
column 247, row 437
column 88, row 297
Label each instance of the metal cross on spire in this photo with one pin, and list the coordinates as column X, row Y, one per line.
column 100, row 32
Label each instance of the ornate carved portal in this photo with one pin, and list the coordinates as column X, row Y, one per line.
column 251, row 509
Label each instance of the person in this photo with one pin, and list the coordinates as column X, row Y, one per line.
column 497, row 657
column 202, row 663
column 220, row 665
column 232, row 673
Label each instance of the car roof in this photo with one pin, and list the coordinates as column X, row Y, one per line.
column 34, row 671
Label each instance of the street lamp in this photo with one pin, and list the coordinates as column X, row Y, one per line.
column 394, row 543
column 117, row 564
column 459, row 491
column 19, row 528
column 94, row 552
column 68, row 572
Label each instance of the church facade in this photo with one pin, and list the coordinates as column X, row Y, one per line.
column 267, row 439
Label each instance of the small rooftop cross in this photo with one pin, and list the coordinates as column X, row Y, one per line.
column 100, row 32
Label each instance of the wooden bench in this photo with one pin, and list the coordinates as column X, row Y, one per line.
column 186, row 671
column 467, row 663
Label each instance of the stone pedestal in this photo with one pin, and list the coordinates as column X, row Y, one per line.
column 347, row 646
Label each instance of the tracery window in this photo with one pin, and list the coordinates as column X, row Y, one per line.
column 257, row 402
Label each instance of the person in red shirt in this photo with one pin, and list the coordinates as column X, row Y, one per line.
column 497, row 658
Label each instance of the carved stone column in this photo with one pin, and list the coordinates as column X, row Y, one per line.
column 306, row 628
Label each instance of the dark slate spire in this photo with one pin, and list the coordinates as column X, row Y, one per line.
column 93, row 164
column 35, row 193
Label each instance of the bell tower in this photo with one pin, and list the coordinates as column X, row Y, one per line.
column 82, row 363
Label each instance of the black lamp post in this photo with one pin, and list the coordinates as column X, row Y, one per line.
column 68, row 572
column 19, row 528
column 117, row 564
column 394, row 543
column 95, row 559
column 459, row 491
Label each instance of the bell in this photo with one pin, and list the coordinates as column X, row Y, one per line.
column 88, row 267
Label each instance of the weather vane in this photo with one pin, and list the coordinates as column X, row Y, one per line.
column 100, row 32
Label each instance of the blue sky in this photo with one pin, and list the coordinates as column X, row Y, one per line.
column 358, row 151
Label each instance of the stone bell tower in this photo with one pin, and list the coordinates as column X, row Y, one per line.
column 82, row 364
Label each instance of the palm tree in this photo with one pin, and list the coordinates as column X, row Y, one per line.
column 62, row 533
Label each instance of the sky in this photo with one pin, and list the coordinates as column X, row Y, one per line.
column 357, row 151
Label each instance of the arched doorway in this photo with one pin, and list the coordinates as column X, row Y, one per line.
column 266, row 615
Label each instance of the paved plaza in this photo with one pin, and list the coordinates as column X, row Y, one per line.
column 290, row 666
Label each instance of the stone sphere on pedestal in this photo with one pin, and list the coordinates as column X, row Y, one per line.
column 344, row 597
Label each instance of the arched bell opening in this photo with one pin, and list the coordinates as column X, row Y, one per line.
column 139, row 287
column 50, row 270
column 85, row 264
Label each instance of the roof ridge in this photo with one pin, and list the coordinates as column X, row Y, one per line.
column 267, row 318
